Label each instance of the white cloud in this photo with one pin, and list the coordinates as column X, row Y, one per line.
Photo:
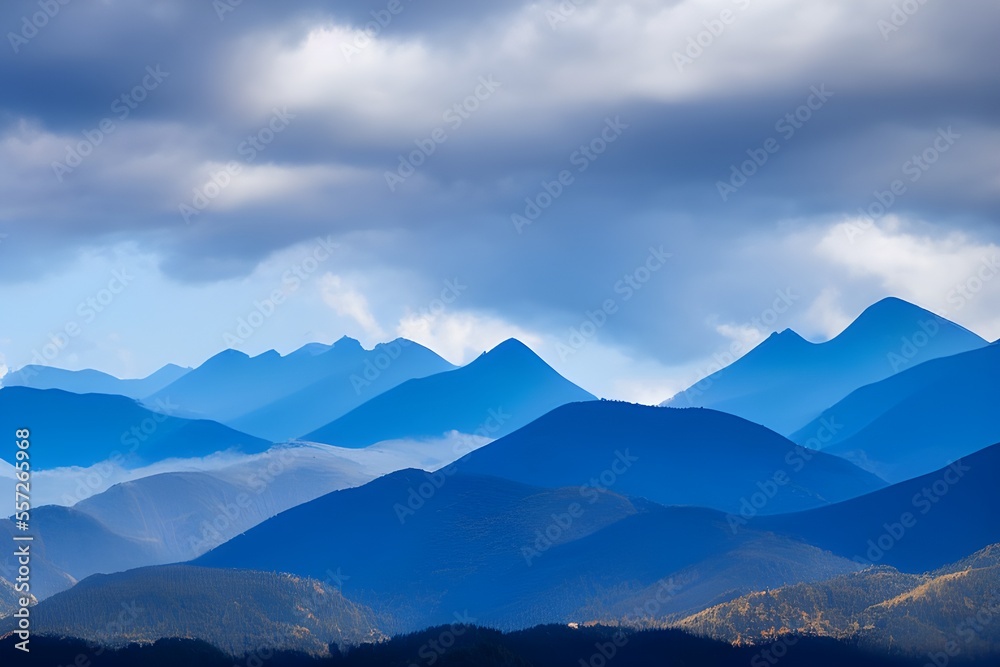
column 952, row 274
column 461, row 336
column 349, row 302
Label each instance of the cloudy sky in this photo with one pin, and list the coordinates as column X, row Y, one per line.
column 167, row 167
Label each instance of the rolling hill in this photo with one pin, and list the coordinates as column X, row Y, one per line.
column 70, row 545
column 786, row 381
column 236, row 610
column 671, row 456
column 417, row 547
column 880, row 607
column 500, row 391
column 916, row 526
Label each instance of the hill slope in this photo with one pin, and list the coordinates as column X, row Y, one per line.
column 671, row 456
column 235, row 610
column 919, row 420
column 880, row 606
column 417, row 547
column 916, row 525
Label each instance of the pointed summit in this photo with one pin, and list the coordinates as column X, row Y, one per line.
column 496, row 393
column 786, row 381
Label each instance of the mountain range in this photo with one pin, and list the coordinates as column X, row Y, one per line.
column 497, row 393
column 917, row 420
column 787, row 381
column 82, row 429
column 672, row 456
column 880, row 607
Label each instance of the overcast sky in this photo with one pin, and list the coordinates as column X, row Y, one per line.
column 691, row 163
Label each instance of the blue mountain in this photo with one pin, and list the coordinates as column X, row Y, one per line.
column 92, row 382
column 353, row 376
column 416, row 547
column 671, row 456
column 69, row 545
column 918, row 420
column 497, row 393
column 786, row 381
column 278, row 397
column 83, row 429
column 237, row 611
column 916, row 526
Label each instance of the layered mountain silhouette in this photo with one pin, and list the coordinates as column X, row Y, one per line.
column 418, row 546
column 671, row 456
column 236, row 610
column 70, row 545
column 918, row 420
column 181, row 515
column 499, row 392
column 880, row 607
column 355, row 375
column 92, row 382
column 279, row 397
column 786, row 381
column 82, row 429
column 916, row 526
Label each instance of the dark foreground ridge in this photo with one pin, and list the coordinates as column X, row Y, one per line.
column 458, row 645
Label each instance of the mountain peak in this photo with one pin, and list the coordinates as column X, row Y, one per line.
column 228, row 355
column 346, row 342
column 511, row 347
column 888, row 312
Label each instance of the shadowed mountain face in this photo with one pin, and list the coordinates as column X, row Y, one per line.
column 787, row 381
column 418, row 547
column 93, row 382
column 236, row 610
column 882, row 607
column 501, row 391
column 82, row 429
column 70, row 545
column 918, row 420
column 672, row 457
column 916, row 525
column 280, row 397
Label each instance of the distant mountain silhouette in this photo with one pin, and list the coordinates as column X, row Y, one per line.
column 418, row 547
column 279, row 397
column 82, row 429
column 236, row 610
column 671, row 456
column 786, row 381
column 500, row 391
column 916, row 526
column 92, row 382
column 184, row 514
column 354, row 375
column 68, row 546
column 920, row 419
